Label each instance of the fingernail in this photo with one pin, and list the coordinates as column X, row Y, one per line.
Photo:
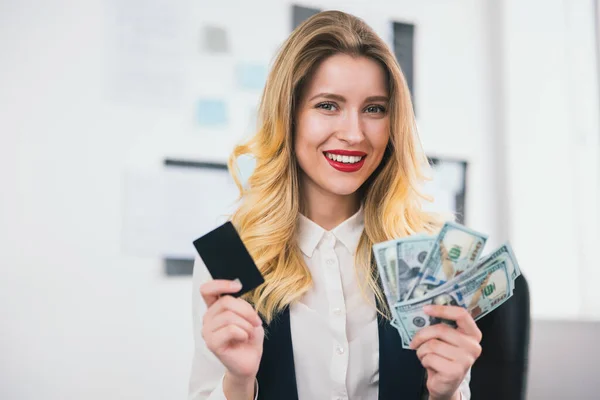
column 427, row 308
column 236, row 284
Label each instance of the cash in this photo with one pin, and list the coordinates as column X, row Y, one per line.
column 480, row 294
column 444, row 270
column 455, row 249
column 399, row 263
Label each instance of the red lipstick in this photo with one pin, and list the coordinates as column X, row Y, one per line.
column 346, row 167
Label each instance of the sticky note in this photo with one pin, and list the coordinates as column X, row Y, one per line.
column 212, row 112
column 251, row 76
column 213, row 39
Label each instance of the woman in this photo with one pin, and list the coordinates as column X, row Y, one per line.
column 337, row 170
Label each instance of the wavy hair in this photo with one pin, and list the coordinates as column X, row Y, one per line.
column 269, row 204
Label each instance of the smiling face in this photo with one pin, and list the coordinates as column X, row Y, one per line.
column 342, row 125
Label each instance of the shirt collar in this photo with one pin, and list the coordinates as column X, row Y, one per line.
column 348, row 233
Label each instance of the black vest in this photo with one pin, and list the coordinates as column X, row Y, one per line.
column 401, row 376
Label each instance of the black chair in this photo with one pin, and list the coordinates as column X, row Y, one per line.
column 500, row 373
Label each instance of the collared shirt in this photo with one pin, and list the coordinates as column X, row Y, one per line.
column 334, row 325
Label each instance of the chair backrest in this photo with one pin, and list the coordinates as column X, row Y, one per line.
column 500, row 373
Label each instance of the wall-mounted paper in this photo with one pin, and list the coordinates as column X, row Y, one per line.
column 212, row 113
column 145, row 51
column 166, row 209
column 213, row 39
column 449, row 176
column 251, row 76
column 448, row 187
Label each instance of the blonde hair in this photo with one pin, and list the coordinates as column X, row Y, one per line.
column 269, row 206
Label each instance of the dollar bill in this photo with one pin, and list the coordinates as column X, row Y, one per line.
column 503, row 253
column 412, row 253
column 403, row 334
column 480, row 294
column 427, row 285
column 386, row 259
column 399, row 262
column 455, row 249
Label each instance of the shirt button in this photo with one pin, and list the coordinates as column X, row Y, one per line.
column 339, row 350
column 337, row 311
column 330, row 261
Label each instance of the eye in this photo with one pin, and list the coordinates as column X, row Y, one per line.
column 326, row 106
column 375, row 108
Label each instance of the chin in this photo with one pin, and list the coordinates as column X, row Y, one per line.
column 345, row 189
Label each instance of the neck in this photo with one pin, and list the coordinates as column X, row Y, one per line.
column 328, row 210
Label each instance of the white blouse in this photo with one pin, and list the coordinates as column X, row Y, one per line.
column 334, row 328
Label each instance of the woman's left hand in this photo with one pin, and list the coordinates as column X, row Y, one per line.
column 447, row 353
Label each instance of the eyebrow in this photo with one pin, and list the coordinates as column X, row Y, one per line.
column 339, row 98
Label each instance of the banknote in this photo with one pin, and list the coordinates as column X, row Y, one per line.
column 431, row 284
column 386, row 258
column 503, row 253
column 412, row 253
column 399, row 262
column 403, row 334
column 479, row 294
column 455, row 249
column 506, row 252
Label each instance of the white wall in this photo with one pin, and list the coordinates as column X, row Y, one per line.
column 551, row 109
column 81, row 319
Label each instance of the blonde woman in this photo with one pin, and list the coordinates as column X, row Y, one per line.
column 338, row 168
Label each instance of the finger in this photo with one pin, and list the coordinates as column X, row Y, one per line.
column 226, row 335
column 229, row 318
column 438, row 331
column 236, row 305
column 465, row 348
column 212, row 290
column 463, row 318
column 442, row 349
column 438, row 364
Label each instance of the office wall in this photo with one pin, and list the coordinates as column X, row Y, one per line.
column 551, row 117
column 79, row 318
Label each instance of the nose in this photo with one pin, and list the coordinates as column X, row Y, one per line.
column 351, row 130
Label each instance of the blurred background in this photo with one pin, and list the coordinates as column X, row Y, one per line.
column 116, row 120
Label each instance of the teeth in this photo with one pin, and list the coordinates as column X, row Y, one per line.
column 344, row 159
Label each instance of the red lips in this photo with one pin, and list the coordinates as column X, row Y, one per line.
column 346, row 167
column 347, row 152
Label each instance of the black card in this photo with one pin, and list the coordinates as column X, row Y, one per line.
column 226, row 257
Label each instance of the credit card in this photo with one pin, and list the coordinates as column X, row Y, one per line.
column 226, row 257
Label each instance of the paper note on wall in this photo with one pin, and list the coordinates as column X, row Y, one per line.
column 212, row 113
column 251, row 76
column 213, row 39
column 166, row 209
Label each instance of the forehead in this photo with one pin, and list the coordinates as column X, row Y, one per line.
column 348, row 76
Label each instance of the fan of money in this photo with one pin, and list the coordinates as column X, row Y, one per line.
column 445, row 269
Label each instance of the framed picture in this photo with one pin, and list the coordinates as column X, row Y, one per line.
column 448, row 186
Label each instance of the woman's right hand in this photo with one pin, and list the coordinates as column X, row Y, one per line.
column 232, row 329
